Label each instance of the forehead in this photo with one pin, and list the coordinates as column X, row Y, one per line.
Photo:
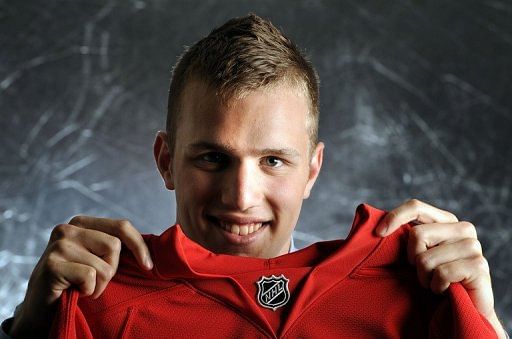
column 269, row 115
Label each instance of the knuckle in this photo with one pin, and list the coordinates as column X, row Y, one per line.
column 391, row 216
column 442, row 273
column 473, row 245
column 115, row 245
column 124, row 225
column 76, row 220
column 89, row 274
column 414, row 203
column 104, row 273
column 452, row 216
column 469, row 228
column 52, row 264
column 482, row 265
column 62, row 231
column 425, row 261
column 61, row 246
column 108, row 273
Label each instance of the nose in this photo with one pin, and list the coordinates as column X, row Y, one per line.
column 242, row 187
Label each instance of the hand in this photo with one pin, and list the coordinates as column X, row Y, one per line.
column 84, row 254
column 444, row 251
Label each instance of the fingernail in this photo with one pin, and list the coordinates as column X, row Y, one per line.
column 382, row 230
column 147, row 262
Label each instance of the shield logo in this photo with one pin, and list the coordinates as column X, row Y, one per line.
column 273, row 291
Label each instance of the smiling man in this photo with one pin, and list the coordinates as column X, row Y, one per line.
column 241, row 169
column 241, row 152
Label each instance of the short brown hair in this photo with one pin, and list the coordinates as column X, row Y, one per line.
column 242, row 55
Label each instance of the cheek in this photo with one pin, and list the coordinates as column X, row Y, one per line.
column 286, row 195
column 196, row 187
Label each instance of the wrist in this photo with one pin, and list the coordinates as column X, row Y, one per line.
column 27, row 325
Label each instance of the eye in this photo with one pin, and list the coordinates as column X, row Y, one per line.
column 273, row 162
column 212, row 161
column 213, row 157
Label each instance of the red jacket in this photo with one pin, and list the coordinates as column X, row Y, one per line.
column 361, row 287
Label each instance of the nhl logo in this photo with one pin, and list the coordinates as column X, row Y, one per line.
column 273, row 291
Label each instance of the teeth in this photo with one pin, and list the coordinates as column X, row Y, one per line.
column 241, row 229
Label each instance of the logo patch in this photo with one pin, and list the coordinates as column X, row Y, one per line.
column 273, row 291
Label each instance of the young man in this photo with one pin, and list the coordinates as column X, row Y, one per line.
column 241, row 151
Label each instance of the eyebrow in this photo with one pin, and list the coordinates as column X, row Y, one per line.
column 284, row 152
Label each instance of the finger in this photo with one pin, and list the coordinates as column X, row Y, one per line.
column 102, row 244
column 413, row 211
column 99, row 243
column 123, row 230
column 67, row 274
column 423, row 237
column 68, row 251
column 473, row 273
column 427, row 262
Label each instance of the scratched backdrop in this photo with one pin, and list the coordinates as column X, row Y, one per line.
column 416, row 102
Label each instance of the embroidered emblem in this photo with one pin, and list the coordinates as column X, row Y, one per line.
column 273, row 291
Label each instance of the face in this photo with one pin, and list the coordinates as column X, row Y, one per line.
column 240, row 170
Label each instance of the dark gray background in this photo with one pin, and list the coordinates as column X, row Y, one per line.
column 415, row 102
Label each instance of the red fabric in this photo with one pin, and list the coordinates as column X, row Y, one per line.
column 361, row 287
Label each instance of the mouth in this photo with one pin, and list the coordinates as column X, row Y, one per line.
column 239, row 228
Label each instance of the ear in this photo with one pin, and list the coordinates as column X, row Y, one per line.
column 314, row 168
column 163, row 159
